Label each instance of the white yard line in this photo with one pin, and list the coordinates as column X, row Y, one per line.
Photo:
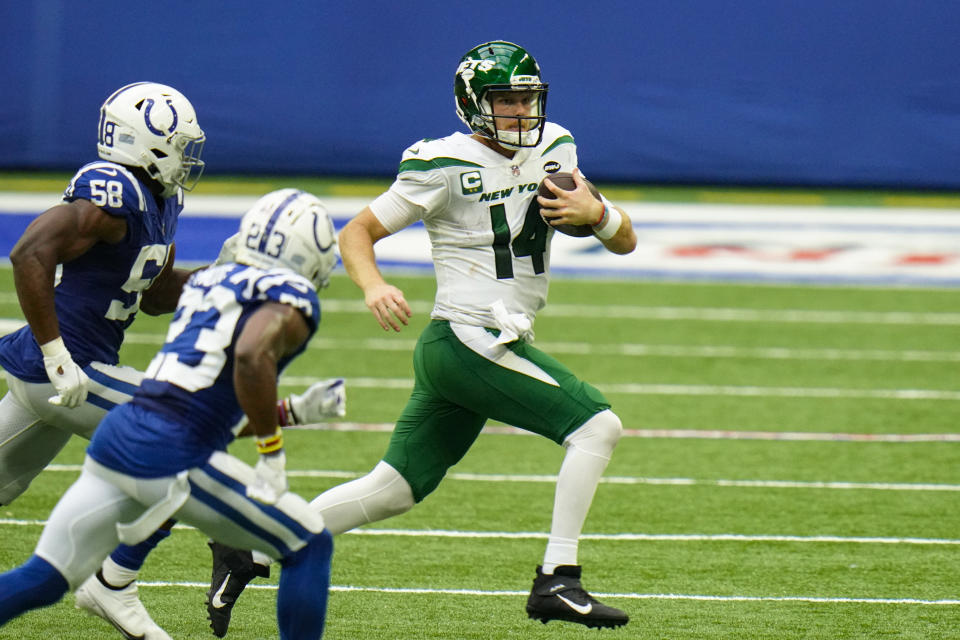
column 655, row 537
column 629, row 596
column 687, row 389
column 706, row 314
column 605, row 537
column 618, row 349
column 628, row 480
column 659, row 350
column 683, row 434
column 703, row 314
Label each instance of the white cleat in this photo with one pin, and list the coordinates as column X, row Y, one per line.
column 121, row 608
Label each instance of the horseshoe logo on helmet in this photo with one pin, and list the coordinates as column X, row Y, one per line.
column 150, row 127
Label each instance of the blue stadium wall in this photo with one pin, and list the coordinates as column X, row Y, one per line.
column 781, row 92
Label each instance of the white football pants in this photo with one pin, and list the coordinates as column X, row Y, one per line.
column 33, row 431
column 86, row 523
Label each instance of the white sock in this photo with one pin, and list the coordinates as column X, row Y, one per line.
column 261, row 558
column 588, row 451
column 116, row 575
column 560, row 551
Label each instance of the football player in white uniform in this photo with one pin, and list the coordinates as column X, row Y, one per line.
column 163, row 454
column 475, row 361
column 113, row 235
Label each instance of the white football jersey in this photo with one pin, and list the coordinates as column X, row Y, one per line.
column 487, row 243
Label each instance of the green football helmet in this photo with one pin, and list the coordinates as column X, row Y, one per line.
column 500, row 67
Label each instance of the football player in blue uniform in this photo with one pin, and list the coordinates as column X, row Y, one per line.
column 163, row 454
column 113, row 237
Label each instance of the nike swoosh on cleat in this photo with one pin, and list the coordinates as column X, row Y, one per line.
column 215, row 601
column 557, row 587
column 582, row 609
column 125, row 633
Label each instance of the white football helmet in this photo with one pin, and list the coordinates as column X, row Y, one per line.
column 292, row 229
column 153, row 126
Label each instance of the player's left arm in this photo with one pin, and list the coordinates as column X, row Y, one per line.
column 163, row 294
column 611, row 224
column 272, row 332
column 624, row 239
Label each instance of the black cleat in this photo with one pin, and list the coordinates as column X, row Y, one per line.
column 561, row 597
column 232, row 570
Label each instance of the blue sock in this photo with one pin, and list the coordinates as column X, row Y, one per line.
column 133, row 557
column 304, row 583
column 32, row 585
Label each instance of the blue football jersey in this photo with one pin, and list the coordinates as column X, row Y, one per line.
column 186, row 406
column 99, row 293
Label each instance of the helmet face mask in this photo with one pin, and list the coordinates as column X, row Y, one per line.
column 289, row 229
column 154, row 127
column 497, row 69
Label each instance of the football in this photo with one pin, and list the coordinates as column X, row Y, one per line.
column 565, row 181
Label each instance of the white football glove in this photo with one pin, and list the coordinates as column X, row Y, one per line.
column 66, row 376
column 271, row 479
column 229, row 249
column 324, row 399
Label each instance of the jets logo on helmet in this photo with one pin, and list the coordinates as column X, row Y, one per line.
column 468, row 66
column 289, row 229
column 500, row 67
column 154, row 127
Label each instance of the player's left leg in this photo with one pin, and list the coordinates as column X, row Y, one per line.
column 112, row 592
column 588, row 450
column 557, row 593
column 527, row 388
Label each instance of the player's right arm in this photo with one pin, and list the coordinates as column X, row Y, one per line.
column 385, row 301
column 60, row 234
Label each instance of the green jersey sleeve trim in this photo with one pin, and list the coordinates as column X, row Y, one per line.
column 556, row 143
column 414, row 164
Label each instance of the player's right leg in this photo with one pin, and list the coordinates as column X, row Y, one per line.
column 27, row 445
column 378, row 495
column 112, row 592
column 79, row 533
column 289, row 531
column 33, row 431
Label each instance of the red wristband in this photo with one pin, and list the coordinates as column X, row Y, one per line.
column 603, row 216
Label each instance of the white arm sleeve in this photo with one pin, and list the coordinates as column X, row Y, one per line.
column 394, row 211
column 413, row 196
